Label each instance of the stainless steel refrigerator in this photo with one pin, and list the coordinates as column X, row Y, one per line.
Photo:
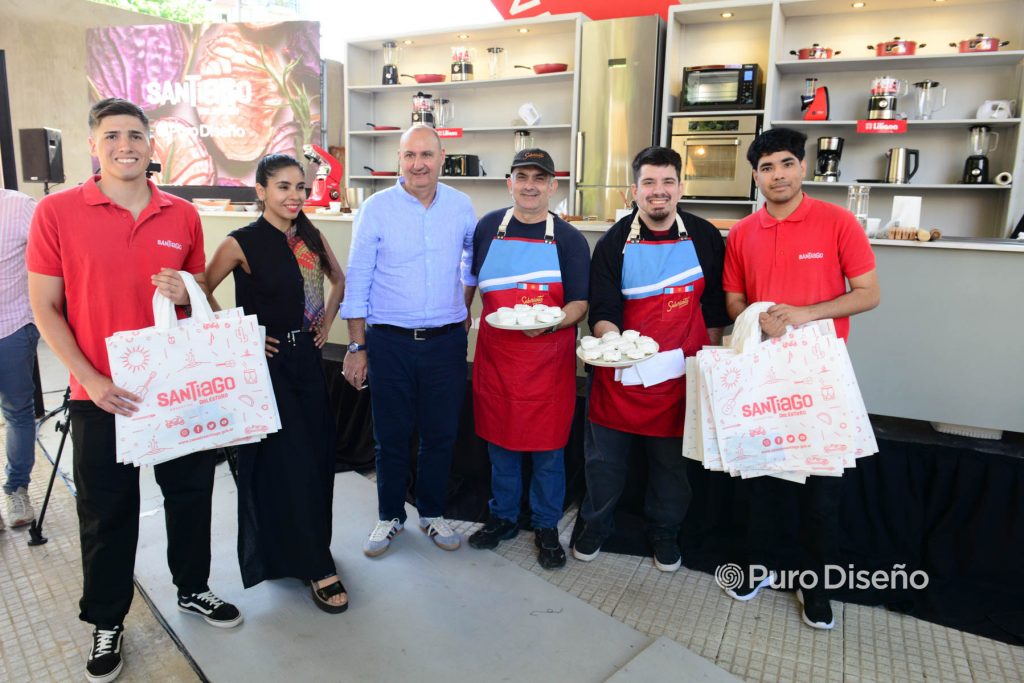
column 620, row 99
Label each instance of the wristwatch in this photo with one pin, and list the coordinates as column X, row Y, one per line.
column 354, row 347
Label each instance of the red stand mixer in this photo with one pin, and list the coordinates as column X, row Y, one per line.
column 327, row 184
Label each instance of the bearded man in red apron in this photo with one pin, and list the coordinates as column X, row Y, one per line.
column 524, row 381
column 658, row 271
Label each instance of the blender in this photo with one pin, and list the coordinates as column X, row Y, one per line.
column 930, row 98
column 495, row 61
column 523, row 140
column 826, row 170
column 444, row 112
column 884, row 91
column 462, row 64
column 423, row 109
column 389, row 75
column 980, row 142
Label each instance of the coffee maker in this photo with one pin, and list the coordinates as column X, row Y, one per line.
column 884, row 91
column 826, row 170
column 423, row 109
column 981, row 141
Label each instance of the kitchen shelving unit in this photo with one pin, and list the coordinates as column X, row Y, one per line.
column 764, row 31
column 485, row 109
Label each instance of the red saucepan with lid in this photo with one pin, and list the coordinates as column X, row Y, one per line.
column 897, row 47
column 426, row 78
column 550, row 68
column 980, row 43
column 381, row 174
column 815, row 51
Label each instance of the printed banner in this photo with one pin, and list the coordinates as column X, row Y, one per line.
column 218, row 96
column 595, row 9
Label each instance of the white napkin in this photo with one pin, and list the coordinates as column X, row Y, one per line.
column 661, row 367
column 628, row 376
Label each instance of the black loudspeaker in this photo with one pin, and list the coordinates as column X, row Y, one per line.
column 42, row 160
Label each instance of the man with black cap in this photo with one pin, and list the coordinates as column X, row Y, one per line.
column 524, row 381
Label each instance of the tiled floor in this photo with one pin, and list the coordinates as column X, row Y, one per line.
column 41, row 638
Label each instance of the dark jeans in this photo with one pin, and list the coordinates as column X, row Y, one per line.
column 793, row 526
column 607, row 453
column 108, row 517
column 17, row 403
column 415, row 386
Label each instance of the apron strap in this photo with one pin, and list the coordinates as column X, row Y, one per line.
column 634, row 230
column 549, row 227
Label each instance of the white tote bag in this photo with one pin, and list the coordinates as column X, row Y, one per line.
column 203, row 382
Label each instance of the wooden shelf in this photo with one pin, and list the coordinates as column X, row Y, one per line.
column 482, row 129
column 910, row 186
column 734, row 202
column 715, row 112
column 883, row 64
column 458, row 85
column 911, row 123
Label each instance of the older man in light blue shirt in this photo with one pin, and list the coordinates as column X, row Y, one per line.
column 408, row 271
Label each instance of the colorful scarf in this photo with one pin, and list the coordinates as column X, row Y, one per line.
column 312, row 281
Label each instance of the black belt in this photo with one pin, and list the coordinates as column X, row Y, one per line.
column 290, row 337
column 418, row 333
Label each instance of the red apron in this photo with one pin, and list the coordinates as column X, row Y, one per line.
column 662, row 283
column 524, row 388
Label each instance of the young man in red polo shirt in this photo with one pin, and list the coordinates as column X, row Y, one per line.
column 800, row 253
column 102, row 248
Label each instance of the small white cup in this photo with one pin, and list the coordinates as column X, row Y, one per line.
column 335, row 207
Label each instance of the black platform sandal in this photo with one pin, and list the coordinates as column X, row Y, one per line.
column 322, row 596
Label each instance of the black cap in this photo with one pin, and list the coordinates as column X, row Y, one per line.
column 534, row 157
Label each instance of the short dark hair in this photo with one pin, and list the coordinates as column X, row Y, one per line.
column 657, row 156
column 115, row 106
column 776, row 140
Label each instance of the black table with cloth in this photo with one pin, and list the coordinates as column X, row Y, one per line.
column 950, row 506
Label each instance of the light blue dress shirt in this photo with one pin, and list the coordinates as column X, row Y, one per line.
column 408, row 262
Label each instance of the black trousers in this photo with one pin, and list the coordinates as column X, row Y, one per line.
column 108, row 517
column 793, row 526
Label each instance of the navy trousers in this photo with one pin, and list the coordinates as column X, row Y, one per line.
column 416, row 386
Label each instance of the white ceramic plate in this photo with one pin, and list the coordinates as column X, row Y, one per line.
column 492, row 320
column 624, row 363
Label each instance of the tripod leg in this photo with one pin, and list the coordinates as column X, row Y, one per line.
column 35, row 531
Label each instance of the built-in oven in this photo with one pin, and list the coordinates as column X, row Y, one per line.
column 714, row 152
column 725, row 86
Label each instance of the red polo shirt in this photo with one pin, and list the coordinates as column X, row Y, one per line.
column 107, row 257
column 801, row 260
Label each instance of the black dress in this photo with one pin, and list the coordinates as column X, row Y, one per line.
column 286, row 481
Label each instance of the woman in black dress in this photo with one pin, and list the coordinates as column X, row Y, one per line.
column 286, row 481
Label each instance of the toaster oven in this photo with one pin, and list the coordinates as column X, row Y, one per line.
column 725, row 86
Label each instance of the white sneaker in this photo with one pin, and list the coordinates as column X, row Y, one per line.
column 379, row 539
column 440, row 532
column 19, row 508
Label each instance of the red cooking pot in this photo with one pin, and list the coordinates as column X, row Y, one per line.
column 815, row 51
column 551, row 68
column 376, row 127
column 980, row 43
column 896, row 48
column 427, row 78
column 380, row 173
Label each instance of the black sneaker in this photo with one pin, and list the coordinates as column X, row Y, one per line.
column 745, row 591
column 215, row 611
column 550, row 553
column 666, row 553
column 817, row 610
column 493, row 532
column 104, row 662
column 587, row 546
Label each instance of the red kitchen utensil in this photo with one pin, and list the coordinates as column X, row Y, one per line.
column 896, row 47
column 549, row 68
column 427, row 78
column 376, row 127
column 815, row 51
column 380, row 173
column 980, row 43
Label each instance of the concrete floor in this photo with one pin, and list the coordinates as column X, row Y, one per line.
column 42, row 640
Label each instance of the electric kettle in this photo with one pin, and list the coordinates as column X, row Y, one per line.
column 897, row 164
